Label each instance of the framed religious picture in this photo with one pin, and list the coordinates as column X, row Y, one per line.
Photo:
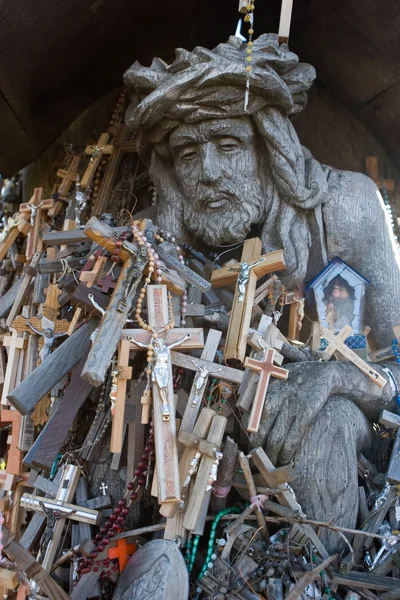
column 338, row 295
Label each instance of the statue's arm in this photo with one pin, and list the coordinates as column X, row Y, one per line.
column 349, row 381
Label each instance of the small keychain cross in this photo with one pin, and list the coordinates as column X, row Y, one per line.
column 103, row 488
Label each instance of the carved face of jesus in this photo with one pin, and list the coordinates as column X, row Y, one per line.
column 216, row 166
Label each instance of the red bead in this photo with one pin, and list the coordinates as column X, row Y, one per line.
column 111, row 533
column 106, row 541
column 142, row 464
column 118, row 244
column 120, row 520
column 130, row 485
column 133, row 496
column 138, row 472
column 98, row 537
column 115, row 527
column 112, row 518
column 148, row 449
column 106, row 562
column 125, row 511
column 121, row 502
column 100, row 547
column 103, row 530
column 94, row 554
column 95, row 569
column 141, row 480
column 117, row 510
column 115, row 258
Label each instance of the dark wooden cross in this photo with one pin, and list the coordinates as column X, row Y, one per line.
column 244, row 275
column 266, row 368
column 33, row 210
column 96, row 153
column 107, row 283
column 122, row 145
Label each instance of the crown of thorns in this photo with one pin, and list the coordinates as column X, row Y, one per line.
column 208, row 84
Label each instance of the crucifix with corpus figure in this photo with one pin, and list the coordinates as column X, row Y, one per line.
column 245, row 274
column 96, row 151
column 158, row 315
column 33, row 209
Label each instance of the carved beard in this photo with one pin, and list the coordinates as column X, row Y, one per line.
column 228, row 225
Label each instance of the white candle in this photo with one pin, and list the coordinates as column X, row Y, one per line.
column 284, row 23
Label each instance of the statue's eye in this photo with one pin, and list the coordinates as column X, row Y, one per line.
column 187, row 154
column 228, row 144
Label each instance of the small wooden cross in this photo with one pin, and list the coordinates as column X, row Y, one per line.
column 33, row 209
column 68, row 176
column 337, row 345
column 245, row 274
column 96, row 153
column 266, row 368
column 15, row 225
column 164, row 430
column 123, row 552
column 122, row 145
column 90, row 277
column 107, row 283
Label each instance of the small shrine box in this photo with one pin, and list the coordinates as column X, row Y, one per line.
column 338, row 295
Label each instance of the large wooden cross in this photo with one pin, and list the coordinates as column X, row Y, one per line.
column 245, row 274
column 164, row 430
column 122, row 145
column 337, row 345
column 96, row 153
column 266, row 368
column 33, row 209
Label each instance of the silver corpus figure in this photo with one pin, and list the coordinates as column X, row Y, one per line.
column 200, row 379
column 33, row 208
column 160, row 369
column 244, row 274
column 48, row 339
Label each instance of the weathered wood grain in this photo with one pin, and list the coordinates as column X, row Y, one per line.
column 60, row 362
column 8, row 299
column 45, row 449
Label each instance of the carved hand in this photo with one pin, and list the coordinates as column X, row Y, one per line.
column 291, row 406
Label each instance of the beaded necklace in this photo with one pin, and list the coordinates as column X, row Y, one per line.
column 192, row 543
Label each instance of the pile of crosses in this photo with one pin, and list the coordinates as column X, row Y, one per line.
column 160, row 351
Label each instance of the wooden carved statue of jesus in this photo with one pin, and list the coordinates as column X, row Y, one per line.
column 221, row 172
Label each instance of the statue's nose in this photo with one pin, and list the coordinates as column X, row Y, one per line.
column 210, row 165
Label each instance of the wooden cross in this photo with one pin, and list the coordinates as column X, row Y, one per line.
column 15, row 225
column 245, row 275
column 30, row 271
column 123, row 552
column 107, row 283
column 16, row 344
column 96, row 153
column 69, row 176
column 90, row 277
column 68, row 510
column 266, row 368
column 122, row 145
column 33, row 209
column 204, row 369
column 124, row 373
column 336, row 345
column 164, row 430
column 196, row 512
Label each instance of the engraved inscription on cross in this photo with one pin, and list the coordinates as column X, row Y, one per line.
column 252, row 267
column 33, row 209
column 164, row 430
